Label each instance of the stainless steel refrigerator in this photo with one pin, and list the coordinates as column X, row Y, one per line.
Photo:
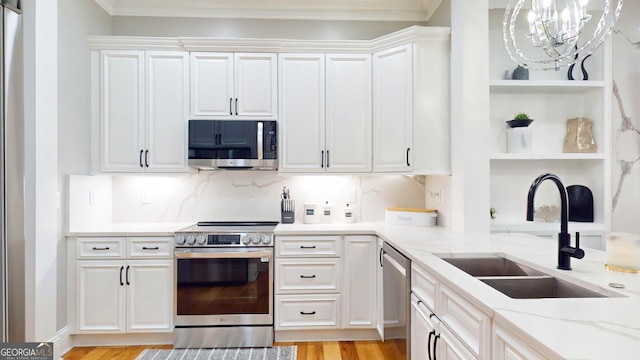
column 12, row 247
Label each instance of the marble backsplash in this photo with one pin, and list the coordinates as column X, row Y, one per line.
column 231, row 195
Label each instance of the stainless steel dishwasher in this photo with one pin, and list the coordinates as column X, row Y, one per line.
column 396, row 283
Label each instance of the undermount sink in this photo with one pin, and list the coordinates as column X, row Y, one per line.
column 539, row 287
column 519, row 281
column 491, row 266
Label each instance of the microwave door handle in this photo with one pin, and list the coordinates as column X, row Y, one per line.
column 260, row 140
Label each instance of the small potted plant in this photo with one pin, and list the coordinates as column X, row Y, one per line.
column 520, row 120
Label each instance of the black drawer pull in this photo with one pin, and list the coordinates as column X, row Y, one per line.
column 307, row 313
column 307, row 277
column 100, row 249
column 307, row 247
column 151, row 248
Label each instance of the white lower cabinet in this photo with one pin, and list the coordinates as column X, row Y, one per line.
column 456, row 329
column 118, row 295
column 508, row 347
column 325, row 283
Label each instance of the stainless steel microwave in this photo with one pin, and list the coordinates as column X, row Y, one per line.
column 233, row 144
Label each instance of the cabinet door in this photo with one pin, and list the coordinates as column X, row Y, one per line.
column 348, row 137
column 149, row 295
column 256, row 86
column 393, row 109
column 448, row 347
column 101, row 296
column 122, row 110
column 508, row 347
column 211, row 86
column 359, row 291
column 422, row 331
column 379, row 290
column 302, row 112
column 167, row 111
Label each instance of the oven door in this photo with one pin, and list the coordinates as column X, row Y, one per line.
column 223, row 286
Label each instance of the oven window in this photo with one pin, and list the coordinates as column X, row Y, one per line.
column 222, row 286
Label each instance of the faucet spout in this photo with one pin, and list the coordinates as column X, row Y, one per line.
column 565, row 250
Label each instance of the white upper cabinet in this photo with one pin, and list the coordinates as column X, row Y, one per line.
column 393, row 109
column 325, row 113
column 302, row 112
column 348, row 109
column 143, row 111
column 239, row 86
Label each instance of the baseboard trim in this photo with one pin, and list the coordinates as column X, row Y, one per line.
column 326, row 335
column 62, row 342
column 122, row 339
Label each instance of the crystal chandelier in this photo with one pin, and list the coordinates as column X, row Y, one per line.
column 554, row 27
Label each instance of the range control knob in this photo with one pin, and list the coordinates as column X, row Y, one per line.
column 246, row 239
column 255, row 238
column 201, row 239
column 266, row 239
column 191, row 239
column 180, row 239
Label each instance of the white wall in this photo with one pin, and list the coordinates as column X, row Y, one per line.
column 41, row 159
column 77, row 19
column 470, row 115
column 255, row 28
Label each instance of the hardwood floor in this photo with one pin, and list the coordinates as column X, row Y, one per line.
column 333, row 350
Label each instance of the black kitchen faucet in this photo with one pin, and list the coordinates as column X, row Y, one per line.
column 565, row 250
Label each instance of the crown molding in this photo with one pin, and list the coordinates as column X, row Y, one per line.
column 358, row 10
column 200, row 44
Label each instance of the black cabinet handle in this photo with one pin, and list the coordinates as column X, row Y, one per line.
column 151, row 248
column 322, row 158
column 435, row 344
column 381, row 255
column 128, row 275
column 327, row 159
column 121, row 269
column 307, row 276
column 146, row 158
column 218, row 139
column 236, row 106
column 141, row 151
column 307, row 247
column 307, row 313
column 100, row 249
column 408, row 149
column 230, row 106
column 431, row 333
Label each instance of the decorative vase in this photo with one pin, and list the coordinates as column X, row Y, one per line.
column 579, row 138
column 520, row 73
column 519, row 136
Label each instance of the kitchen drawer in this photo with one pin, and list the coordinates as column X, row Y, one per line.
column 423, row 285
column 308, row 246
column 150, row 247
column 308, row 275
column 307, row 311
column 101, row 248
column 467, row 322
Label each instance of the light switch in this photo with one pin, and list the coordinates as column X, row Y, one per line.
column 352, row 196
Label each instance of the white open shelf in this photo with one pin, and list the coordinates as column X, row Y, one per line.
column 544, row 86
column 550, row 156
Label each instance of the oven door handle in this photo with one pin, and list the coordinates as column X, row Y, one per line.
column 223, row 255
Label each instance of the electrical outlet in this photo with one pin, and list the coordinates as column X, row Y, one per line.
column 352, row 196
column 443, row 197
column 146, row 200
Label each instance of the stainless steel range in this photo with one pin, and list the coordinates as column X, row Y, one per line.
column 223, row 294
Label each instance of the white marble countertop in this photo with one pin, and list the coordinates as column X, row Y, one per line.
column 586, row 328
column 579, row 328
